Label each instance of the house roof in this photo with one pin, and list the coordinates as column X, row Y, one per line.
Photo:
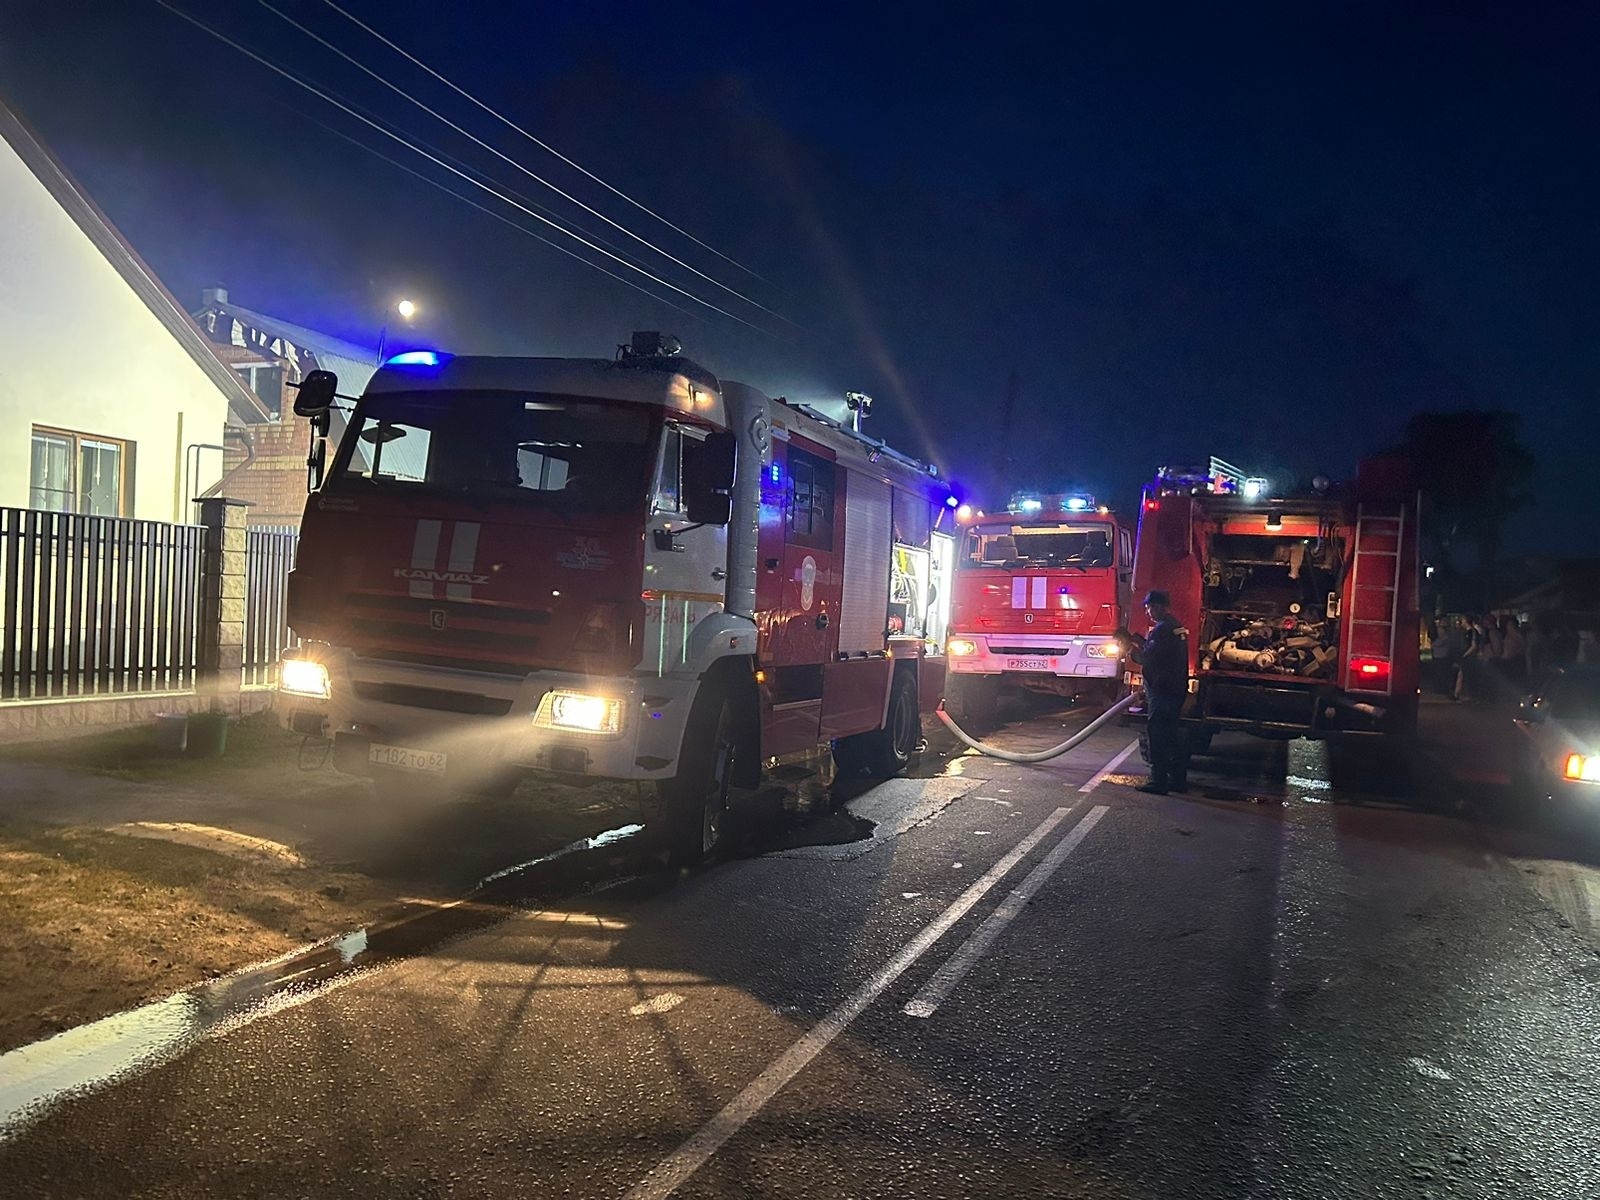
column 75, row 202
column 352, row 363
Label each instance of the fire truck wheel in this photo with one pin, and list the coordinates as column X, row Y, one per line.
column 973, row 701
column 696, row 799
column 884, row 753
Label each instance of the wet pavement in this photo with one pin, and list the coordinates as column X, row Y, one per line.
column 1313, row 976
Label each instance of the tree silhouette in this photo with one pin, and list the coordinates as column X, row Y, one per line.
column 1474, row 472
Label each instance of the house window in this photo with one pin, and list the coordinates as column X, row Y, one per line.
column 80, row 473
column 265, row 380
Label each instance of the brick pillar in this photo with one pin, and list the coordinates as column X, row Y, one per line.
column 222, row 601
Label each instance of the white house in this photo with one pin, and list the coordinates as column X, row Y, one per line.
column 111, row 400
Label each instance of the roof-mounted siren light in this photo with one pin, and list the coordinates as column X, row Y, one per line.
column 1254, row 488
column 1226, row 479
column 652, row 343
column 1078, row 504
column 860, row 405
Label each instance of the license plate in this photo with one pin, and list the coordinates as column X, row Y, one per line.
column 1029, row 664
column 430, row 762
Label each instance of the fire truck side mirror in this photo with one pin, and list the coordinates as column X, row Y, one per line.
column 316, row 394
column 708, row 473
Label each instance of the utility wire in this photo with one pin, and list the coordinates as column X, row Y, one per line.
column 415, row 61
column 271, row 66
column 472, row 137
column 504, row 220
column 481, row 177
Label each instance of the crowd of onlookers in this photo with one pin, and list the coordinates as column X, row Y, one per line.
column 1494, row 657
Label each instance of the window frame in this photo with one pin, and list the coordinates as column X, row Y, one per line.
column 818, row 533
column 78, row 439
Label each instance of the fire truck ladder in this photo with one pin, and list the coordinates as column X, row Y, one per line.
column 1375, row 599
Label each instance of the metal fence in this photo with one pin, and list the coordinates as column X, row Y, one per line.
column 269, row 556
column 96, row 605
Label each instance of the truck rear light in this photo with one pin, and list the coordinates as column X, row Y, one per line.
column 1368, row 671
column 598, row 633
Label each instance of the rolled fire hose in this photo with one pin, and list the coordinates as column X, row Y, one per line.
column 1038, row 755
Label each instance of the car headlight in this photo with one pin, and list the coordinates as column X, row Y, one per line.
column 578, row 712
column 1108, row 650
column 302, row 677
column 960, row 648
column 1582, row 768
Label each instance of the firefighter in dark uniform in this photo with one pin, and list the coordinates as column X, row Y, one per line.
column 1163, row 657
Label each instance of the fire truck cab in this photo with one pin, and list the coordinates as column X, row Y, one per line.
column 1301, row 609
column 612, row 569
column 1040, row 589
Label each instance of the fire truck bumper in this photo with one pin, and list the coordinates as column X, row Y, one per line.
column 1015, row 654
column 385, row 716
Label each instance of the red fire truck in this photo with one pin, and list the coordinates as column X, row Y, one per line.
column 1302, row 610
column 617, row 569
column 1040, row 588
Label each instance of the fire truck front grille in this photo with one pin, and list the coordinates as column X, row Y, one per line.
column 1027, row 651
column 434, row 698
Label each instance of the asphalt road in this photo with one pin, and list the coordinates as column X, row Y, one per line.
column 1283, row 985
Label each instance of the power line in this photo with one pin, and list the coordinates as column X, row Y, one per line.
column 298, row 82
column 568, row 196
column 415, row 61
column 504, row 220
column 482, row 178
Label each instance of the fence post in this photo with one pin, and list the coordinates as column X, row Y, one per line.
column 222, row 602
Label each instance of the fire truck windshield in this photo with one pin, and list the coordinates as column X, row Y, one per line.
column 1017, row 546
column 506, row 447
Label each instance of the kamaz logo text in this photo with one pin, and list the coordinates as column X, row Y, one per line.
column 431, row 576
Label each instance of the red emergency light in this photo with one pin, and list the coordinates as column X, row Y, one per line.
column 1369, row 671
column 1152, row 504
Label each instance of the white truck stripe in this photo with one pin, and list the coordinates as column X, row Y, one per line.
column 425, row 556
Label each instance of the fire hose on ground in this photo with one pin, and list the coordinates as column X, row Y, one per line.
column 1036, row 756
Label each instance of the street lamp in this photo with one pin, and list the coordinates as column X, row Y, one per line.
column 405, row 309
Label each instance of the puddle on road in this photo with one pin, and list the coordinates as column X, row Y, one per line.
column 35, row 1077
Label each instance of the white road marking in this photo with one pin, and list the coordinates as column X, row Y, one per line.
column 665, row 1002
column 938, row 989
column 672, row 1172
column 1099, row 776
column 909, row 895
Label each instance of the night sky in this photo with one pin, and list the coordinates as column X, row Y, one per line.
column 1258, row 232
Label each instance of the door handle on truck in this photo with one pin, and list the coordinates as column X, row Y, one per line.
column 822, row 621
column 719, row 573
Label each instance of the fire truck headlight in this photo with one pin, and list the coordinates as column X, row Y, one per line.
column 1582, row 768
column 960, row 648
column 578, row 712
column 1106, row 650
column 302, row 677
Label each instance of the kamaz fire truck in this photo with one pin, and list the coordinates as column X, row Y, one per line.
column 617, row 569
column 1301, row 610
column 1040, row 589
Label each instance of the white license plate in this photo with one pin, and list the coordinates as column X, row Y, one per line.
column 430, row 762
column 1029, row 664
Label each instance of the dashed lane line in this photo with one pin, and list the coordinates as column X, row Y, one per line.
column 672, row 1172
column 938, row 989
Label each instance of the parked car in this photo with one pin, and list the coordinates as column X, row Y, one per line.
column 1557, row 757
